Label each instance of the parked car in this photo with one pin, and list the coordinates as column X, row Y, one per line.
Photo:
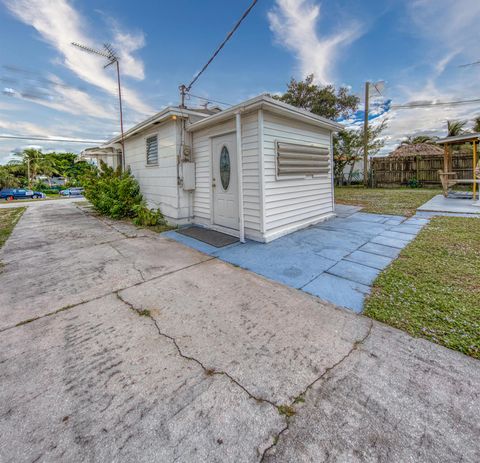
column 74, row 191
column 20, row 193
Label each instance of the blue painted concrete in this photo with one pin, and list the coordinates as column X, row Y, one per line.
column 381, row 250
column 336, row 260
column 398, row 235
column 392, row 242
column 340, row 291
column 369, row 259
column 358, row 273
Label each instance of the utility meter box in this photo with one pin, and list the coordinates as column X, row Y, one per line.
column 188, row 169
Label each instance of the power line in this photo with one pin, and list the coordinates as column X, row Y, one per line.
column 186, row 88
column 210, row 99
column 439, row 103
column 93, row 142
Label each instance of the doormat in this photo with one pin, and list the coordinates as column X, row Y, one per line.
column 212, row 237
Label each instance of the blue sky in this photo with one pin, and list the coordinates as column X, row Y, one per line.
column 48, row 88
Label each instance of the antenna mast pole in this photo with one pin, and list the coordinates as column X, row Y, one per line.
column 121, row 114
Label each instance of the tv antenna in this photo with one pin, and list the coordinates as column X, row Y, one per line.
column 110, row 54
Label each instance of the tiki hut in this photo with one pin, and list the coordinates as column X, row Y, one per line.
column 417, row 149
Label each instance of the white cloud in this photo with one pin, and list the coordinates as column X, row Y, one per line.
column 448, row 30
column 127, row 43
column 295, row 23
column 24, row 127
column 59, row 24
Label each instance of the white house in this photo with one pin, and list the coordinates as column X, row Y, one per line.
column 258, row 170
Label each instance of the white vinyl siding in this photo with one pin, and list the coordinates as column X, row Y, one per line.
column 158, row 182
column 294, row 201
column 152, row 150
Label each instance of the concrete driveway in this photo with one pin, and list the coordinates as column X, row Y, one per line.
column 118, row 344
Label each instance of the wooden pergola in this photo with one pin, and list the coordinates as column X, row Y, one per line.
column 447, row 176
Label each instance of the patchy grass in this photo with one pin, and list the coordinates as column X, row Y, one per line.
column 158, row 228
column 144, row 313
column 286, row 410
column 396, row 201
column 8, row 219
column 433, row 289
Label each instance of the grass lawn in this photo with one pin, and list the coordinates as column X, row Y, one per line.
column 433, row 289
column 8, row 219
column 396, row 201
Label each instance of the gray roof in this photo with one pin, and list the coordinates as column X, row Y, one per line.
column 459, row 138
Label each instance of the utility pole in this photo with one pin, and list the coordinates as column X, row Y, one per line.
column 28, row 172
column 365, row 135
column 109, row 53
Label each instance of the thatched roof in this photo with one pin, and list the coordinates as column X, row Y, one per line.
column 418, row 149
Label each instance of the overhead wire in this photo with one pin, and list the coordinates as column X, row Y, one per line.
column 439, row 103
column 217, row 51
column 19, row 137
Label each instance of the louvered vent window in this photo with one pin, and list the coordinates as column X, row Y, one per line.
column 152, row 150
column 294, row 159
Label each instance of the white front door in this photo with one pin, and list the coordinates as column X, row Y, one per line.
column 224, row 181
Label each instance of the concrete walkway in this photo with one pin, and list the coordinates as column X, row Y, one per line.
column 441, row 206
column 117, row 344
column 336, row 260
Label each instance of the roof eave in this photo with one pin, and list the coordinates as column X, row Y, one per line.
column 459, row 138
column 265, row 102
column 158, row 118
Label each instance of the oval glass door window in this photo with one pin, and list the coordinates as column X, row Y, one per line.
column 225, row 168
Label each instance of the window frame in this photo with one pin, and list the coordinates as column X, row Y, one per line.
column 147, row 138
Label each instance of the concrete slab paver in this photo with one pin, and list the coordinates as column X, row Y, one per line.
column 369, row 259
column 354, row 271
column 394, row 399
column 236, row 322
column 340, row 291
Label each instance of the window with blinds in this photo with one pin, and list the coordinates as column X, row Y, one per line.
column 295, row 159
column 152, row 150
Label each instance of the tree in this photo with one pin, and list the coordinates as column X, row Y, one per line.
column 325, row 101
column 8, row 178
column 348, row 147
column 476, row 125
column 455, row 128
column 36, row 163
column 419, row 139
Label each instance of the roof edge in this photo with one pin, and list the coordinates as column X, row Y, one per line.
column 459, row 138
column 161, row 116
column 265, row 101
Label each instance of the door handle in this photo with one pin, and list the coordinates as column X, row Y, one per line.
column 213, row 183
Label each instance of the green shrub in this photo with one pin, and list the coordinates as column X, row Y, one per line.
column 148, row 217
column 117, row 195
column 414, row 183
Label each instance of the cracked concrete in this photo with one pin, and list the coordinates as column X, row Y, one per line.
column 119, row 344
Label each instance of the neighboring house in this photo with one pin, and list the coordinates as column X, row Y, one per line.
column 110, row 155
column 260, row 169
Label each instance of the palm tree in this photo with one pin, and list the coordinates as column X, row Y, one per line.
column 455, row 128
column 419, row 139
column 36, row 163
column 476, row 124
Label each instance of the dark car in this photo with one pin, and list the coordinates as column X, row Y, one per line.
column 20, row 193
column 73, row 191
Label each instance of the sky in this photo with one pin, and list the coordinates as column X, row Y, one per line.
column 49, row 88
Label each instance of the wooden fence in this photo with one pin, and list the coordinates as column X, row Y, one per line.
column 399, row 171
